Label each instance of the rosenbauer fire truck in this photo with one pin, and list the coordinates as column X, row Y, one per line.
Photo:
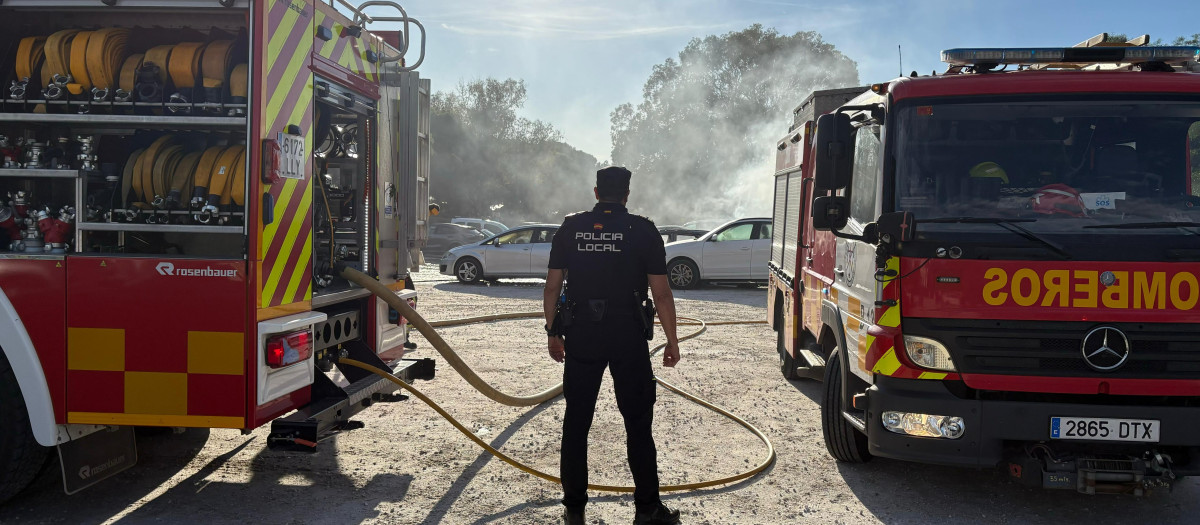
column 1000, row 268
column 181, row 182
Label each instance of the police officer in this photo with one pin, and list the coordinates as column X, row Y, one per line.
column 609, row 257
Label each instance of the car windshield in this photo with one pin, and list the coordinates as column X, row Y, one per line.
column 1102, row 167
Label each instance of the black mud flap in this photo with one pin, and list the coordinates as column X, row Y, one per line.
column 96, row 457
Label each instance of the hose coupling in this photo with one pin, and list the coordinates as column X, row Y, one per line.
column 207, row 214
column 179, row 103
column 18, row 89
column 100, row 94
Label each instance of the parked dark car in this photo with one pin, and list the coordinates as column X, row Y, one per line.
column 672, row 233
column 444, row 236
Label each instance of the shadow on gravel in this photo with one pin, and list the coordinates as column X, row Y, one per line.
column 627, row 499
column 455, row 491
column 495, row 290
column 811, row 389
column 899, row 492
column 279, row 479
column 161, row 454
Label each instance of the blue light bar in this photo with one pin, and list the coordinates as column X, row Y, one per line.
column 1072, row 55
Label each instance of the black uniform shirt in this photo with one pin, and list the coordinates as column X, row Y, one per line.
column 607, row 253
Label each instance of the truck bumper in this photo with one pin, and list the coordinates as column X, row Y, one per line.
column 991, row 425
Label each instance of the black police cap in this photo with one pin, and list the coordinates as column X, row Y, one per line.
column 613, row 178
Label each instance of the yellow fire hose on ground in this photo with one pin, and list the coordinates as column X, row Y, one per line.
column 426, row 329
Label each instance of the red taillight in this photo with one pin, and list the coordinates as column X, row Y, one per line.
column 287, row 349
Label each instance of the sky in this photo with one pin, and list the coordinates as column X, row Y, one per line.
column 580, row 60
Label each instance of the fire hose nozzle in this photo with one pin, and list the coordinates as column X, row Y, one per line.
column 100, row 94
column 159, row 201
column 120, row 95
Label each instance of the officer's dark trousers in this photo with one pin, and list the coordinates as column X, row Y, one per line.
column 617, row 344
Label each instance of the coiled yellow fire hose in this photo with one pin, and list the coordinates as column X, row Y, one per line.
column 426, row 329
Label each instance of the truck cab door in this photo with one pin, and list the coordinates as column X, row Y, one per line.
column 854, row 270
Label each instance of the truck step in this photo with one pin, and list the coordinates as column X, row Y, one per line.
column 810, row 364
column 333, row 406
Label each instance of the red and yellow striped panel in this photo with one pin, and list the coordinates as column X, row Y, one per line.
column 348, row 52
column 148, row 343
column 284, row 253
column 109, row 389
column 880, row 356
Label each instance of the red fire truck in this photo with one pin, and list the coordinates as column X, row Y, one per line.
column 997, row 266
column 182, row 181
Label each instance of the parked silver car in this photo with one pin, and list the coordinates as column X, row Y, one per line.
column 736, row 251
column 519, row 252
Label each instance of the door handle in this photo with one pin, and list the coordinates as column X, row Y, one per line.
column 745, row 248
column 839, row 270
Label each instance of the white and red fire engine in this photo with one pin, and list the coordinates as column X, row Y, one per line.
column 999, row 265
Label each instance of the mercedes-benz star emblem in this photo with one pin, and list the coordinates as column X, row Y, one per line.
column 1105, row 348
column 1108, row 278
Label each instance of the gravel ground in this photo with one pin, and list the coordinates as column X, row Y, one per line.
column 409, row 466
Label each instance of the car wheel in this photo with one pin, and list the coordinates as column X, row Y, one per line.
column 468, row 270
column 683, row 274
column 844, row 442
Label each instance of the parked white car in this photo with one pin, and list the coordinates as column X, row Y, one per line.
column 519, row 252
column 736, row 251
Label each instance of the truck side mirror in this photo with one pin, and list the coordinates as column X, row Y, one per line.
column 834, row 145
column 830, row 212
column 897, row 226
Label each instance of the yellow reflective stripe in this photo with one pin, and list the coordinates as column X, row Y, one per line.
column 150, row 420
column 931, row 375
column 888, row 364
column 890, row 318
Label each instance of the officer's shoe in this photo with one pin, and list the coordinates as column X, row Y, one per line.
column 661, row 515
column 574, row 517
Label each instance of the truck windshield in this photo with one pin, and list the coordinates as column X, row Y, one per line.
column 1097, row 167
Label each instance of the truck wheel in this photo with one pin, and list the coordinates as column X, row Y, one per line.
column 787, row 363
column 683, row 274
column 844, row 442
column 21, row 457
column 468, row 270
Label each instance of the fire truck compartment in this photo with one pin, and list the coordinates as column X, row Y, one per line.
column 993, row 426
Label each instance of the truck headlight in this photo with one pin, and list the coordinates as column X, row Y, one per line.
column 928, row 353
column 924, row 425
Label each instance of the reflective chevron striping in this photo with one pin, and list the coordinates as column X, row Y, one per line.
column 285, row 244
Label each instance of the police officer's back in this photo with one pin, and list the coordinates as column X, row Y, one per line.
column 609, row 257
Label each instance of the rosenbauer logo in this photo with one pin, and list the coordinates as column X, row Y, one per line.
column 1135, row 290
column 169, row 269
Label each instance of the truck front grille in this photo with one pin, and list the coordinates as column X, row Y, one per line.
column 1053, row 348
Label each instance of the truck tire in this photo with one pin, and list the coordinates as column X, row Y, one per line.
column 683, row 274
column 844, row 442
column 21, row 457
column 468, row 270
column 787, row 363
